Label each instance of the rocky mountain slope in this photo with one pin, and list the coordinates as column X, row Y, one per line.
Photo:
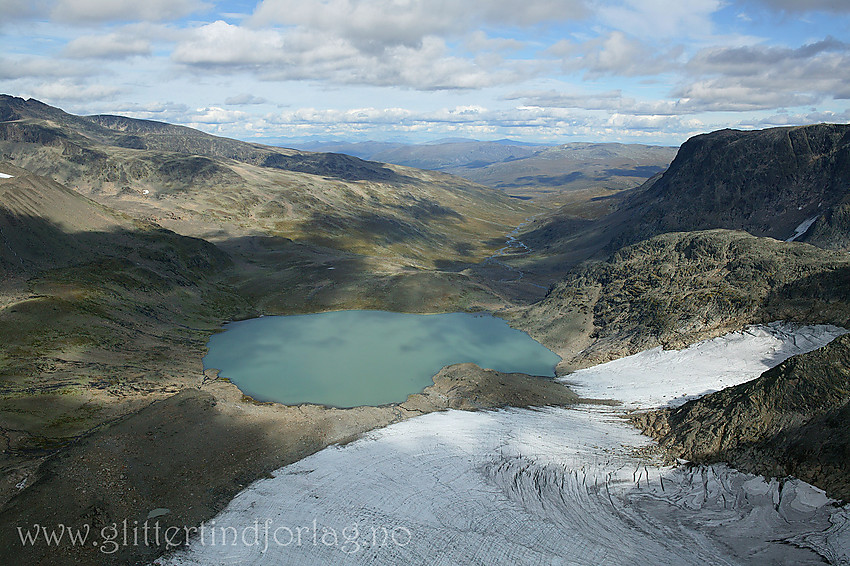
column 220, row 189
column 671, row 287
column 793, row 420
column 766, row 182
column 678, row 288
column 99, row 315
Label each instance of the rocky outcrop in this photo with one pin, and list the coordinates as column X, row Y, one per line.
column 675, row 289
column 831, row 230
column 793, row 420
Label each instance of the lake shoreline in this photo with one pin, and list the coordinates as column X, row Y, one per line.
column 193, row 452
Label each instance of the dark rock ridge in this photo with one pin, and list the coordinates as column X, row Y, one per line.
column 793, row 420
column 766, row 182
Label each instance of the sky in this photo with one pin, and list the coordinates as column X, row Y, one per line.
column 544, row 71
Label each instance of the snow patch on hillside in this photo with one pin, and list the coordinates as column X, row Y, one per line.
column 802, row 228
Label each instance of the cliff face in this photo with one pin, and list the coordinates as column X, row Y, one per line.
column 673, row 286
column 766, row 182
column 793, row 420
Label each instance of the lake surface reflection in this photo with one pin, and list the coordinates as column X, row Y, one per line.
column 358, row 357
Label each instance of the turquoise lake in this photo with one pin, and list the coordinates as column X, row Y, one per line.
column 358, row 357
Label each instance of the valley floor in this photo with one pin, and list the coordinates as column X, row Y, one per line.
column 546, row 486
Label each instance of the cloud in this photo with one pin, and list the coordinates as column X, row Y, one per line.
column 72, row 91
column 607, row 100
column 334, row 116
column 244, row 99
column 90, row 11
column 786, row 119
column 472, row 119
column 654, row 123
column 614, row 54
column 740, row 61
column 654, row 19
column 377, row 24
column 23, row 9
column 374, row 42
column 615, row 103
column 298, row 55
column 762, row 77
column 620, row 55
column 173, row 112
column 40, row 67
column 216, row 115
column 717, row 79
column 836, row 6
column 108, row 46
column 725, row 95
column 223, row 44
column 479, row 41
column 99, row 11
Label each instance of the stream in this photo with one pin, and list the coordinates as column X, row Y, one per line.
column 513, row 246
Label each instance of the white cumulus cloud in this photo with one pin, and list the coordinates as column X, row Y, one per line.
column 108, row 46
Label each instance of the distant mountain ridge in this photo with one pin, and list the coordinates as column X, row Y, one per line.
column 32, row 120
column 522, row 168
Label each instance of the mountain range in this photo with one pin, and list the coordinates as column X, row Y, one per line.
column 523, row 170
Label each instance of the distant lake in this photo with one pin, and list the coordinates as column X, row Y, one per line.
column 358, row 357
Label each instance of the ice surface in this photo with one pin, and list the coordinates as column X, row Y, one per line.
column 546, row 486
column 657, row 377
